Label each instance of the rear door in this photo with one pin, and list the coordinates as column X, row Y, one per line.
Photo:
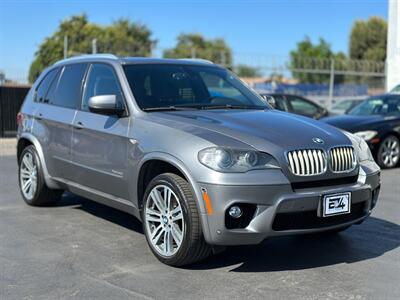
column 54, row 118
column 100, row 141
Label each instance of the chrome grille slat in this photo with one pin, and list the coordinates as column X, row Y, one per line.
column 342, row 159
column 309, row 162
column 317, row 166
column 310, row 157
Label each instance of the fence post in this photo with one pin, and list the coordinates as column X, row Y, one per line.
column 65, row 46
column 94, row 46
column 331, row 83
column 223, row 58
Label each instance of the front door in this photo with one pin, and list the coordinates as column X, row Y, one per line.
column 99, row 143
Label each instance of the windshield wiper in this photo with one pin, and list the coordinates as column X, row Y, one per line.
column 229, row 106
column 166, row 108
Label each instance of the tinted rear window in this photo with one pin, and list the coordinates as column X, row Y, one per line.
column 44, row 85
column 66, row 91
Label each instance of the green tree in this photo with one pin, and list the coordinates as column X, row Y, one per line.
column 195, row 45
column 125, row 38
column 247, row 71
column 122, row 38
column 313, row 56
column 368, row 39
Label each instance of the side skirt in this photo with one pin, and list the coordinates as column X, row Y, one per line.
column 100, row 197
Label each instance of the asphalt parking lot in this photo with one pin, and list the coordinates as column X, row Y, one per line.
column 81, row 249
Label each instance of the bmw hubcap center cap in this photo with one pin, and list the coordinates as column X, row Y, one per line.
column 165, row 220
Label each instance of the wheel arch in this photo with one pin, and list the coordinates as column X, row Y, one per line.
column 27, row 139
column 164, row 159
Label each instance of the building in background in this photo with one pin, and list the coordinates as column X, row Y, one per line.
column 393, row 46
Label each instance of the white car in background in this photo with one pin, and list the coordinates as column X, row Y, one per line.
column 395, row 90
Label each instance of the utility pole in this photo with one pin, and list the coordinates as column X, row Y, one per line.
column 193, row 50
column 94, row 46
column 331, row 83
column 223, row 58
column 65, row 46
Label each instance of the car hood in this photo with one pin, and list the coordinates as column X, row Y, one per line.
column 354, row 123
column 264, row 130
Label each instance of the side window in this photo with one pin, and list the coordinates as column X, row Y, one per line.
column 44, row 85
column 101, row 81
column 280, row 103
column 302, row 106
column 66, row 92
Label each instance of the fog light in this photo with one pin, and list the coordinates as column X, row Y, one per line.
column 235, row 211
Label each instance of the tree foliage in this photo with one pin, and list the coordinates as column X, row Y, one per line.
column 313, row 56
column 122, row 37
column 368, row 39
column 247, row 71
column 195, row 45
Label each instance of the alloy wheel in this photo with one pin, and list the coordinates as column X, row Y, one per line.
column 28, row 176
column 390, row 151
column 164, row 220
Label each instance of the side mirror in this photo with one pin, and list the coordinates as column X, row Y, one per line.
column 105, row 105
column 270, row 100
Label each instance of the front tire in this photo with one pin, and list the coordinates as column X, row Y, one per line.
column 171, row 221
column 33, row 188
column 389, row 152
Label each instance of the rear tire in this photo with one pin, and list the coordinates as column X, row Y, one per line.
column 32, row 186
column 172, row 227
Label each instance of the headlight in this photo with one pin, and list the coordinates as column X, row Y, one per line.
column 361, row 148
column 235, row 160
column 366, row 135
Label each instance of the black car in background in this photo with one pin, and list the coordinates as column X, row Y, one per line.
column 343, row 106
column 377, row 121
column 296, row 104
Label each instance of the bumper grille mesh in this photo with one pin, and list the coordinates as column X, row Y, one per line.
column 307, row 162
column 342, row 159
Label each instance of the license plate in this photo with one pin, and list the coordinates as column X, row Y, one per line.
column 336, row 204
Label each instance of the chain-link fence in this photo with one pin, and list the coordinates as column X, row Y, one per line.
column 323, row 80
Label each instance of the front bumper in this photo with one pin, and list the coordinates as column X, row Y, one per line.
column 278, row 209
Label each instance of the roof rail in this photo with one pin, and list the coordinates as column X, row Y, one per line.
column 83, row 56
column 198, row 60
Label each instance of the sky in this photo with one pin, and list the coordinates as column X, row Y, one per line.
column 251, row 28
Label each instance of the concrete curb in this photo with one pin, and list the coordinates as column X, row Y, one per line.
column 8, row 146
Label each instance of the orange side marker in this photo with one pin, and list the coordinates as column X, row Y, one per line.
column 207, row 201
column 375, row 141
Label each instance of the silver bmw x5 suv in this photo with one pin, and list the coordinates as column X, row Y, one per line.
column 191, row 151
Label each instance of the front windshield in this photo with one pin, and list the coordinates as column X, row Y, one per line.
column 386, row 105
column 189, row 86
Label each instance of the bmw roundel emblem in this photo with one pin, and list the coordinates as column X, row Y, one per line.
column 318, row 140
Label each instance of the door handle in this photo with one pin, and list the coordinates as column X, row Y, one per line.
column 39, row 116
column 79, row 125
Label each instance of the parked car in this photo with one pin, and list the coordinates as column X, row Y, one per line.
column 296, row 104
column 191, row 151
column 343, row 106
column 377, row 121
column 395, row 90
